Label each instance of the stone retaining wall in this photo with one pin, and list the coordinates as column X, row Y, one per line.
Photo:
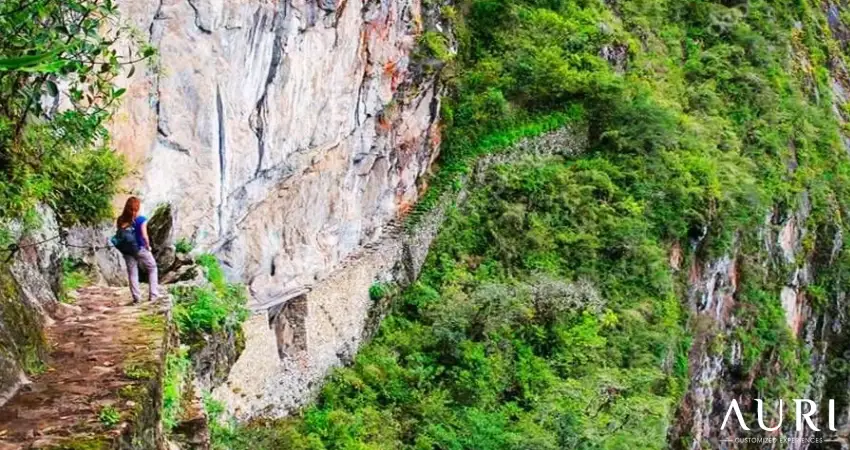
column 289, row 351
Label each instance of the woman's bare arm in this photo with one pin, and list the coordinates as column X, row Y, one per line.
column 145, row 235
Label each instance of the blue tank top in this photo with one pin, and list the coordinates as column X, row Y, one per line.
column 137, row 225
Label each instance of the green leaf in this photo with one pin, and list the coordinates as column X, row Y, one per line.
column 25, row 62
column 131, row 72
column 52, row 89
column 119, row 92
column 49, row 67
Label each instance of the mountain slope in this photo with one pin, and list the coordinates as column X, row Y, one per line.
column 620, row 298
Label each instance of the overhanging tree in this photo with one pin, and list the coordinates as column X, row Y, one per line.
column 59, row 63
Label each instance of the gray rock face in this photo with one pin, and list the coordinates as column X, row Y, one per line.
column 27, row 300
column 284, row 135
column 718, row 376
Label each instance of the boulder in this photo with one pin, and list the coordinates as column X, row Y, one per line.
column 160, row 226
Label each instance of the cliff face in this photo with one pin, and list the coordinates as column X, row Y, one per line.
column 284, row 135
column 719, row 370
column 287, row 137
column 806, row 261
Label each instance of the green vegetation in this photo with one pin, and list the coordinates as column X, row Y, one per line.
column 152, row 322
column 378, row 291
column 174, row 379
column 547, row 315
column 84, row 443
column 435, row 45
column 184, row 246
column 75, row 275
column 208, row 309
column 135, row 392
column 60, row 157
column 32, row 363
column 456, row 164
column 223, row 430
column 214, row 272
column 139, row 370
column 109, row 416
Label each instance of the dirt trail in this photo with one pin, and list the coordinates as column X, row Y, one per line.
column 100, row 361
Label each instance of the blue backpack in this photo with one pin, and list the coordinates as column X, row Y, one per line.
column 125, row 241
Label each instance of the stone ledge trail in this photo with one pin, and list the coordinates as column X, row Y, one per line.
column 91, row 353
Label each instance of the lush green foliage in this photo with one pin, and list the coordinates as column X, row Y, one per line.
column 58, row 64
column 547, row 315
column 712, row 117
column 377, row 291
column 206, row 309
column 214, row 273
column 457, row 163
column 174, row 379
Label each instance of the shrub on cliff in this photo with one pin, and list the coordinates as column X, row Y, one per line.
column 212, row 308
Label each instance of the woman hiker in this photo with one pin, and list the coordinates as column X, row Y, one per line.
column 132, row 240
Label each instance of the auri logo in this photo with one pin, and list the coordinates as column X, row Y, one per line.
column 804, row 411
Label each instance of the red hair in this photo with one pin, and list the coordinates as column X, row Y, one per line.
column 131, row 210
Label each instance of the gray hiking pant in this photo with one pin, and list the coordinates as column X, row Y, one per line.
column 145, row 258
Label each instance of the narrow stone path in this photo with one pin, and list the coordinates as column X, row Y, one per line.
column 102, row 359
column 389, row 233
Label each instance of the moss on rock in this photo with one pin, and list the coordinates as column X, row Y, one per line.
column 22, row 343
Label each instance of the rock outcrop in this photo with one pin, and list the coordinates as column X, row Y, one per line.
column 718, row 370
column 28, row 280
